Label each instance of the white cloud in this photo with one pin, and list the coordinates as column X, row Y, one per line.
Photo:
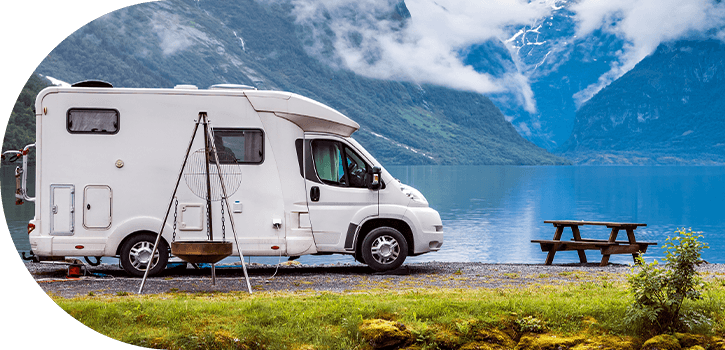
column 427, row 49
column 361, row 35
column 175, row 36
column 522, row 128
column 643, row 25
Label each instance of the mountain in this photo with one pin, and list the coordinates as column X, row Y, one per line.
column 667, row 110
column 21, row 125
column 162, row 44
column 557, row 64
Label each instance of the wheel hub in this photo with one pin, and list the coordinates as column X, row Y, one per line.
column 385, row 249
column 140, row 255
column 144, row 256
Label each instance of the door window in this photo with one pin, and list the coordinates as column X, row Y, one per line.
column 338, row 165
column 356, row 168
column 328, row 162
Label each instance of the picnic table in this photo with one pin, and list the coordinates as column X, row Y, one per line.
column 606, row 246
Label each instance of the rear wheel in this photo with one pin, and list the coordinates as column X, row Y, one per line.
column 136, row 255
column 384, row 248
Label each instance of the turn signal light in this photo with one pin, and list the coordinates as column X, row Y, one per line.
column 31, row 227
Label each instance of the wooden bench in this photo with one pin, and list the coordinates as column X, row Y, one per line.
column 606, row 247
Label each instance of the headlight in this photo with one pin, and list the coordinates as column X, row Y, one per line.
column 413, row 194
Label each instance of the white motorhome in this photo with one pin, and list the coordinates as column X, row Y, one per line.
column 107, row 160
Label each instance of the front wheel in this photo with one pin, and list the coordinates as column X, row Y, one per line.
column 136, row 255
column 384, row 248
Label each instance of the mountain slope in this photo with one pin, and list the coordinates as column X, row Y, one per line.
column 667, row 110
column 161, row 44
column 557, row 64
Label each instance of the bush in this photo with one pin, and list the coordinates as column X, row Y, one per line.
column 659, row 292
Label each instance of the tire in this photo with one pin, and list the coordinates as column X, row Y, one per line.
column 135, row 253
column 384, row 249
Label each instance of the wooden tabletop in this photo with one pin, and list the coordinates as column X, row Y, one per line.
column 600, row 223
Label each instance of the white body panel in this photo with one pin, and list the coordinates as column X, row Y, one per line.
column 94, row 190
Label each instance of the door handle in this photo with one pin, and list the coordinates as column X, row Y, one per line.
column 315, row 193
column 88, row 206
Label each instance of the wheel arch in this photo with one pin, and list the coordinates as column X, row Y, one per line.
column 373, row 223
column 134, row 226
column 133, row 234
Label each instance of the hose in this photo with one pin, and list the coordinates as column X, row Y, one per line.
column 98, row 261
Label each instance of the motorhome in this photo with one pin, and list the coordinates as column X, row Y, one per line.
column 298, row 183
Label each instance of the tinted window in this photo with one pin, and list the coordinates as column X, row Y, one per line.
column 92, row 121
column 356, row 168
column 328, row 162
column 338, row 165
column 239, row 145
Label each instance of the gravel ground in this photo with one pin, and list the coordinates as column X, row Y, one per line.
column 291, row 277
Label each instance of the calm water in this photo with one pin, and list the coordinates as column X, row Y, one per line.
column 490, row 213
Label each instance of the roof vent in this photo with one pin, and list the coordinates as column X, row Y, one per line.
column 231, row 87
column 186, row 87
column 93, row 84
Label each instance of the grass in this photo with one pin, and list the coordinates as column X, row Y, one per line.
column 331, row 320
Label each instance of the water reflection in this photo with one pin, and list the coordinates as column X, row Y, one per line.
column 491, row 213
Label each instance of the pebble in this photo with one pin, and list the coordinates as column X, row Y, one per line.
column 338, row 277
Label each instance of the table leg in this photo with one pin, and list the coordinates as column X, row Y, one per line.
column 632, row 240
column 552, row 252
column 612, row 239
column 578, row 237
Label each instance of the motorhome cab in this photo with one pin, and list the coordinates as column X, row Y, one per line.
column 108, row 159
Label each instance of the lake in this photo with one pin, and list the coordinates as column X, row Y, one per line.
column 491, row 213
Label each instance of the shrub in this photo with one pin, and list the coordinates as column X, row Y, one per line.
column 660, row 291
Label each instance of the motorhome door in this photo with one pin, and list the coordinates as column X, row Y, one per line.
column 97, row 207
column 62, row 210
column 336, row 191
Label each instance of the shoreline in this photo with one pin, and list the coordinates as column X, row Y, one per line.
column 336, row 278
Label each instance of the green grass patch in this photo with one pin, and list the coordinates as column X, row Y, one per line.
column 332, row 320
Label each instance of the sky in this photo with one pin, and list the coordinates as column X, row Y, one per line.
column 427, row 50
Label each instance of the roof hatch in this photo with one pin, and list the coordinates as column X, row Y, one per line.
column 93, row 84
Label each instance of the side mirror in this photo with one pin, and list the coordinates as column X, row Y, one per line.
column 374, row 178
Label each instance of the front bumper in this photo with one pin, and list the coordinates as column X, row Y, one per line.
column 428, row 229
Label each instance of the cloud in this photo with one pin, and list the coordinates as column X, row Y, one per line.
column 643, row 25
column 373, row 39
column 174, row 36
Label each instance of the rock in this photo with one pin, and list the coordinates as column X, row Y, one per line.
column 717, row 343
column 482, row 346
column 606, row 343
column 662, row 342
column 688, row 340
column 446, row 339
column 384, row 334
column 495, row 336
column 548, row 342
